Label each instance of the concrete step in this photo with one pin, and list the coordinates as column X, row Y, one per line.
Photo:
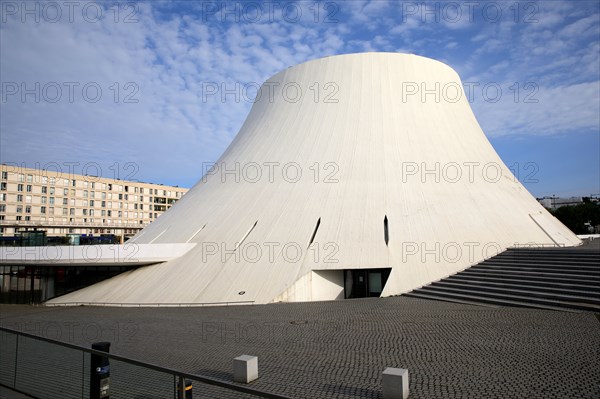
column 418, row 294
column 543, row 271
column 532, row 282
column 528, row 276
column 482, row 300
column 593, row 298
column 523, row 300
column 545, row 262
column 550, row 252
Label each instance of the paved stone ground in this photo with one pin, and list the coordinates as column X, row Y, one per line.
column 339, row 349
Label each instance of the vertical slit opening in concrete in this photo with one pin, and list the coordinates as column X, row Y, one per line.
column 386, row 232
column 312, row 238
column 246, row 235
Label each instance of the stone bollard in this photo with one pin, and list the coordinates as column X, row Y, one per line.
column 245, row 369
column 395, row 383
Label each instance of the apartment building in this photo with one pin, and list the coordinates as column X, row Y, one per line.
column 63, row 203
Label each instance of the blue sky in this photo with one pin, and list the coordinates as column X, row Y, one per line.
column 122, row 86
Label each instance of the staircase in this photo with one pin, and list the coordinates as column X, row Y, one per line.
column 566, row 279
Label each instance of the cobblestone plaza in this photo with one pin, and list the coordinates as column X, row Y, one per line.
column 339, row 349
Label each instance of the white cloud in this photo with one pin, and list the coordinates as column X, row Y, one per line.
column 171, row 54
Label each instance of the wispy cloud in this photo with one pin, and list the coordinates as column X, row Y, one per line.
column 167, row 53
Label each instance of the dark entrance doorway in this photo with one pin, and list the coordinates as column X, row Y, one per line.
column 364, row 283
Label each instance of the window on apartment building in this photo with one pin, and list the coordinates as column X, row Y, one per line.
column 108, row 213
column 91, row 212
column 52, row 181
column 21, row 177
column 103, row 213
column 93, row 184
column 43, row 209
column 72, row 211
column 134, row 206
column 84, row 212
column 72, row 193
column 19, row 187
column 44, row 200
column 103, row 204
column 44, row 179
column 2, row 186
column 85, row 203
column 44, row 190
column 4, row 175
column 126, row 197
column 2, row 208
column 29, row 178
column 52, row 200
column 3, row 197
column 65, row 201
column 19, row 218
column 29, row 188
column 28, row 199
column 126, row 189
column 72, row 202
column 64, row 211
column 85, row 184
column 66, row 182
column 74, row 183
column 27, row 209
column 19, row 198
column 91, row 202
column 92, row 194
column 120, row 214
column 85, row 193
column 19, row 209
column 2, row 217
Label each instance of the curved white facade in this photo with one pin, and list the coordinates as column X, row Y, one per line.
column 351, row 143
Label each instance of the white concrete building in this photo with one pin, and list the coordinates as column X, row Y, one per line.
column 353, row 175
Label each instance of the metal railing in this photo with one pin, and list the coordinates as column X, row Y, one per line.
column 47, row 369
